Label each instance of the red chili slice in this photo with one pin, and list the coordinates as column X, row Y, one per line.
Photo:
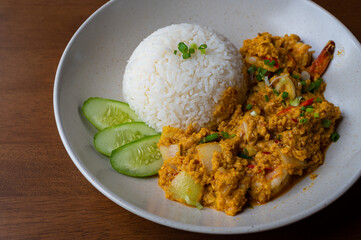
column 266, row 152
column 285, row 110
column 294, row 120
column 304, row 104
column 270, row 60
column 307, row 102
column 250, row 166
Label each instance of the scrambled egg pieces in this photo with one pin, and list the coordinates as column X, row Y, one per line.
column 283, row 130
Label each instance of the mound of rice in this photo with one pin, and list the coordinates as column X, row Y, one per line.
column 165, row 89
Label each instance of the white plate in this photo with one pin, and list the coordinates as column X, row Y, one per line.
column 93, row 64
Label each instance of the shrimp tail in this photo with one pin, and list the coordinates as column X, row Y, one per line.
column 319, row 66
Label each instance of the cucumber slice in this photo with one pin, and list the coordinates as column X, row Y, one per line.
column 108, row 139
column 104, row 113
column 140, row 158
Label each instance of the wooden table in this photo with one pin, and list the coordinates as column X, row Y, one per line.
column 42, row 193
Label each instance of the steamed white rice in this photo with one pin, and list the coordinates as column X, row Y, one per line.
column 165, row 89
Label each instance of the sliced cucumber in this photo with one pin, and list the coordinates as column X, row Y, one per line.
column 108, row 139
column 104, row 113
column 140, row 158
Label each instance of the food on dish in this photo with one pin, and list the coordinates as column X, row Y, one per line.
column 178, row 76
column 140, row 158
column 104, row 113
column 215, row 151
column 282, row 131
column 113, row 137
column 131, row 146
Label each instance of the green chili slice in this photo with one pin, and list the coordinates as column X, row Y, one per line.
column 303, row 120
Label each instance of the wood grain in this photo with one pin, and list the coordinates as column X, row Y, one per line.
column 42, row 194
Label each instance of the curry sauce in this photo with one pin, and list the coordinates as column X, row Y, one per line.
column 281, row 131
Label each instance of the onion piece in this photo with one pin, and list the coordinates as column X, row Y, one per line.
column 305, row 75
column 205, row 153
column 292, row 161
column 276, row 78
column 253, row 113
column 168, row 152
column 267, row 81
column 251, row 60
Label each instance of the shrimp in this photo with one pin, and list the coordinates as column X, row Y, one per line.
column 319, row 66
column 277, row 179
column 267, row 184
column 300, row 54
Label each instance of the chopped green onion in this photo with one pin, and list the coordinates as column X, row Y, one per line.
column 259, row 77
column 316, row 115
column 253, row 113
column 309, row 110
column 251, row 69
column 262, row 72
column 175, row 52
column 326, row 123
column 279, row 137
column 319, row 100
column 203, row 51
column 276, row 92
column 303, row 108
column 191, row 50
column 210, row 138
column 302, row 114
column 186, row 55
column 335, row 136
column 266, row 98
column 193, row 45
column 303, row 120
column 295, row 102
column 225, row 135
column 269, row 63
column 203, row 46
column 232, row 136
column 182, row 47
column 245, row 156
column 285, row 95
column 284, row 103
column 249, row 106
column 295, row 76
column 303, row 83
column 315, row 85
column 279, row 71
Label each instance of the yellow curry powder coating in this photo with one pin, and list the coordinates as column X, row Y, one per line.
column 266, row 144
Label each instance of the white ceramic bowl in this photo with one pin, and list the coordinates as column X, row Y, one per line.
column 93, row 64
